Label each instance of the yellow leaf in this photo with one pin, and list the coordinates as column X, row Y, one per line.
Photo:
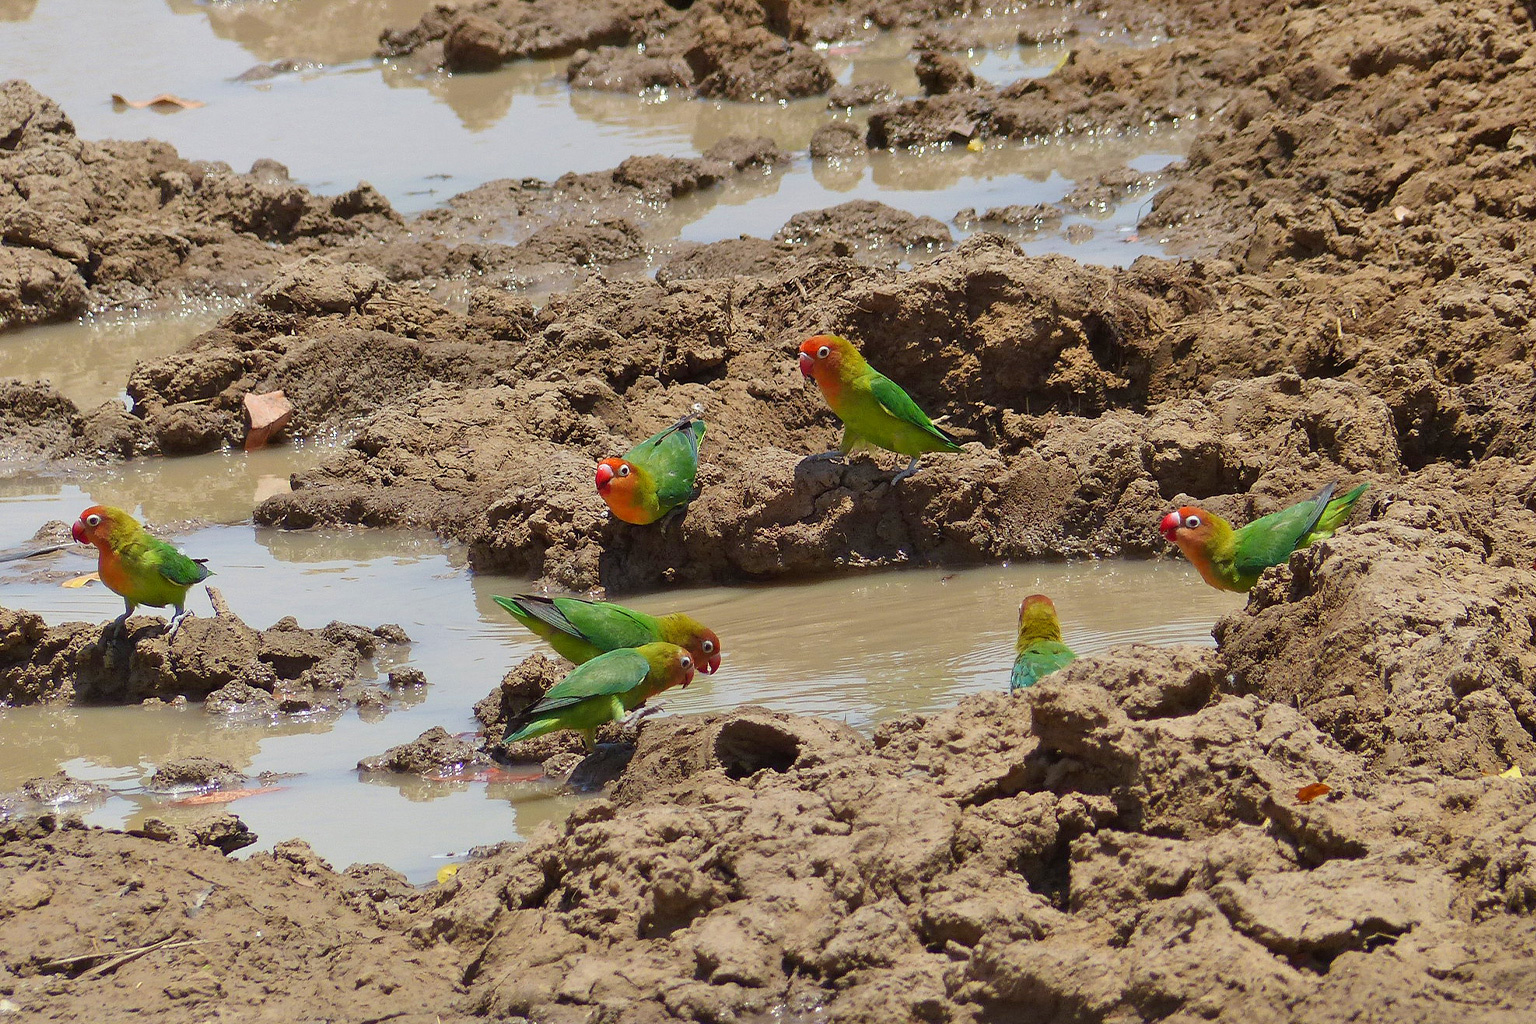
column 974, row 145
column 1513, row 773
column 446, row 872
column 81, row 581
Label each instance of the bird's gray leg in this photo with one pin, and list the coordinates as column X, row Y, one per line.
column 630, row 726
column 119, row 624
column 181, row 613
column 824, row 456
column 911, row 468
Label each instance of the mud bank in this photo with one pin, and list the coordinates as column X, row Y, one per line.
column 232, row 668
column 1130, row 840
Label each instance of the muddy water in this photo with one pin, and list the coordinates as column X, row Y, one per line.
column 88, row 361
column 422, row 138
column 861, row 650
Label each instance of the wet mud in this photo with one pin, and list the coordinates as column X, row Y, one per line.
column 1141, row 836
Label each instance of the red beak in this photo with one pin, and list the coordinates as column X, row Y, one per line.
column 78, row 532
column 1170, row 525
column 711, row 666
column 806, row 362
column 688, row 678
column 604, row 477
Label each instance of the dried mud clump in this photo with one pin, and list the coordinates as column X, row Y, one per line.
column 237, row 668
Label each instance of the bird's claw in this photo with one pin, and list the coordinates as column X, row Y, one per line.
column 911, row 468
column 824, row 456
column 629, row 728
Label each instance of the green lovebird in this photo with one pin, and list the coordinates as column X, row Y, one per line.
column 1039, row 650
column 140, row 568
column 603, row 690
column 656, row 475
column 1231, row 559
column 581, row 630
column 874, row 410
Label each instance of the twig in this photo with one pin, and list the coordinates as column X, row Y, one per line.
column 220, row 606
column 115, row 961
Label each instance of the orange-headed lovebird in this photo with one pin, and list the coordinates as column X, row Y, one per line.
column 1039, row 650
column 873, row 408
column 580, row 630
column 656, row 475
column 1231, row 559
column 603, row 690
column 140, row 568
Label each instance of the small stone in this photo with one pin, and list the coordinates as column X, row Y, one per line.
column 266, row 415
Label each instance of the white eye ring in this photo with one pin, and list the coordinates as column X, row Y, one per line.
column 685, row 661
column 93, row 520
column 1193, row 522
column 709, row 647
column 623, row 471
column 823, row 352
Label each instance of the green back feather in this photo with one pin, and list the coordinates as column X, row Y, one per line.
column 579, row 629
column 670, row 458
column 1037, row 660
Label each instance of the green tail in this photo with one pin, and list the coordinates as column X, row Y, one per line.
column 1334, row 515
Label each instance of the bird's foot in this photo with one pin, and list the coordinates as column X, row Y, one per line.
column 175, row 625
column 911, row 468
column 629, row 728
column 824, row 456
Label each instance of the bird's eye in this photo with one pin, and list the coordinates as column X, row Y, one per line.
column 1193, row 522
column 623, row 471
column 93, row 520
column 685, row 661
column 823, row 352
column 709, row 647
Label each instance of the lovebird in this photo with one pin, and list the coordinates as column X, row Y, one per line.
column 874, row 409
column 1039, row 650
column 1231, row 559
column 656, row 475
column 580, row 630
column 140, row 568
column 603, row 690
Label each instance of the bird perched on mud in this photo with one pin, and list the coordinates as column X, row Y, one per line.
column 140, row 568
column 580, row 630
column 655, row 476
column 603, row 690
column 1231, row 559
column 1039, row 650
column 874, row 409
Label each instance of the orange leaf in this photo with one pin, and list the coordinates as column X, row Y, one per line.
column 160, row 102
column 1306, row 794
column 80, row 581
column 222, row 796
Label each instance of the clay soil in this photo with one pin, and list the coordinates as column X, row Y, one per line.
column 1125, row 842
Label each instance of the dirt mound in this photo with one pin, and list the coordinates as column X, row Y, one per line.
column 284, row 668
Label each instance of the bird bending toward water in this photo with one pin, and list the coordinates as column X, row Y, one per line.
column 1233, row 559
column 874, row 409
column 139, row 568
column 603, row 690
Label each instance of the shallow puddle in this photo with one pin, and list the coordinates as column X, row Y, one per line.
column 89, row 360
column 422, row 138
column 860, row 650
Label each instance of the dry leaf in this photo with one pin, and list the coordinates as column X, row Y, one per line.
column 1306, row 794
column 446, row 872
column 222, row 796
column 162, row 102
column 81, row 581
column 1513, row 773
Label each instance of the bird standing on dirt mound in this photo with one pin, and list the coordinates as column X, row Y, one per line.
column 581, row 630
column 1231, row 559
column 603, row 690
column 140, row 568
column 1039, row 650
column 874, row 409
column 655, row 476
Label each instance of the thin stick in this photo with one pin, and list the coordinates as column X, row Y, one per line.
column 133, row 954
column 17, row 556
column 220, row 606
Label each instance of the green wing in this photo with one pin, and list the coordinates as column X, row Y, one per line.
column 1039, row 659
column 607, row 675
column 605, row 626
column 671, row 457
column 175, row 566
column 900, row 405
column 1270, row 539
